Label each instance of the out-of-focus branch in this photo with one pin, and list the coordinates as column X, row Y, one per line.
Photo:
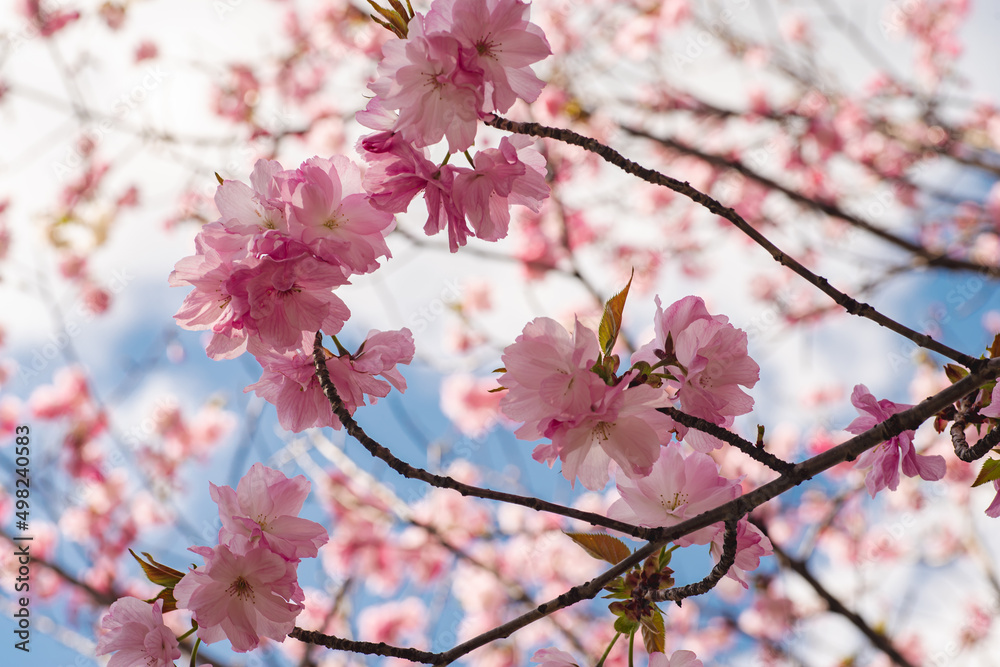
column 924, row 255
column 880, row 641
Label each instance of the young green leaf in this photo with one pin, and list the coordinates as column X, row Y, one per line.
column 611, row 322
column 602, row 546
column 989, row 472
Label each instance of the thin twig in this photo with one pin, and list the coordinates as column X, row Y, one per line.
column 714, row 577
column 750, row 449
column 443, row 481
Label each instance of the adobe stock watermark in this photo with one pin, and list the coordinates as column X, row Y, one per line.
column 223, row 8
column 449, row 296
column 695, row 45
column 74, row 322
column 894, row 19
column 122, row 106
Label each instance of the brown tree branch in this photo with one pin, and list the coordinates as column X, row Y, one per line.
column 750, row 449
column 656, row 178
column 443, row 481
column 715, row 576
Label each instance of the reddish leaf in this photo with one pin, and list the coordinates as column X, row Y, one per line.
column 602, row 546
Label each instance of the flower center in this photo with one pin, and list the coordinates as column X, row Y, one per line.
column 242, row 589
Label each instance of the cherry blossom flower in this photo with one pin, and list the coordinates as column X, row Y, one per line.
column 514, row 173
column 334, row 216
column 289, row 383
column 135, row 629
column 994, row 509
column 434, row 84
column 263, row 511
column 257, row 207
column 552, row 388
column 394, row 622
column 289, row 379
column 469, row 404
column 548, row 375
column 886, row 458
column 677, row 659
column 354, row 375
column 622, row 425
column 707, row 359
column 751, row 546
column 993, row 409
column 676, row 489
column 679, row 488
column 290, row 292
column 503, row 44
column 553, row 657
column 241, row 596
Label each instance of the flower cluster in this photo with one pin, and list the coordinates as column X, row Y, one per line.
column 593, row 418
column 703, row 361
column 457, row 65
column 552, row 388
column 247, row 588
column 264, row 276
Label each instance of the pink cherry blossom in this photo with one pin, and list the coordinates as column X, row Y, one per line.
column 548, row 375
column 751, row 546
column 289, row 291
column 993, row 409
column 469, row 404
column 135, row 629
column 994, row 509
column 398, row 172
column 253, row 209
column 263, row 511
column 403, row 621
column 886, row 458
column 241, row 596
column 553, row 657
column 217, row 303
column 333, row 215
column 711, row 362
column 622, row 425
column 677, row 488
column 289, row 379
column 503, row 44
column 677, row 659
column 434, row 84
column 68, row 396
column 514, row 173
column 289, row 383
column 354, row 375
